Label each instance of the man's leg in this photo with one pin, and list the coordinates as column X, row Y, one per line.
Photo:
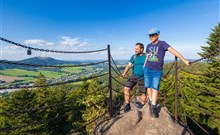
column 127, row 94
column 128, row 86
column 143, row 98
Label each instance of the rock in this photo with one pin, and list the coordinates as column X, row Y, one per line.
column 139, row 122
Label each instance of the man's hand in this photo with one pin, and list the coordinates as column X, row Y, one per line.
column 123, row 75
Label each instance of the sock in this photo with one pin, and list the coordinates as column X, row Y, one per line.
column 153, row 104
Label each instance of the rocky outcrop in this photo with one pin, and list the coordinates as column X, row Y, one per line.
column 139, row 122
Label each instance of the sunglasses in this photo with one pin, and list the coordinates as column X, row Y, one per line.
column 152, row 35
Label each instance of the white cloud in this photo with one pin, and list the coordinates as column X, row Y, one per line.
column 12, row 47
column 38, row 42
column 67, row 41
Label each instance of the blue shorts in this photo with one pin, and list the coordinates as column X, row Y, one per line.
column 152, row 78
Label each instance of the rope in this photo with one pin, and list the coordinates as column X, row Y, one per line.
column 31, row 124
column 199, row 126
column 117, row 81
column 202, row 110
column 168, row 80
column 115, row 71
column 41, row 122
column 49, row 66
column 210, row 93
column 210, row 74
column 47, row 50
column 89, row 122
column 116, row 66
column 53, row 84
column 50, row 106
column 207, row 56
column 164, row 76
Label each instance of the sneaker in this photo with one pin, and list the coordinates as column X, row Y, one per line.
column 149, row 103
column 139, row 105
column 154, row 112
column 150, row 109
column 127, row 107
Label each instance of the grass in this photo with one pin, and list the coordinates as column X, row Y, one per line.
column 32, row 75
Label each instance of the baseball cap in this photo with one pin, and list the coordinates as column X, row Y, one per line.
column 153, row 31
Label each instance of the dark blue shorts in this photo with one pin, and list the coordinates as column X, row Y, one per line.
column 133, row 80
column 152, row 78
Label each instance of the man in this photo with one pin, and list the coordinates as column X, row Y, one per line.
column 153, row 66
column 136, row 62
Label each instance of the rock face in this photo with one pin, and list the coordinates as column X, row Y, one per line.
column 139, row 122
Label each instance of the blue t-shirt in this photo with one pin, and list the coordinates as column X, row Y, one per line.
column 138, row 65
column 156, row 55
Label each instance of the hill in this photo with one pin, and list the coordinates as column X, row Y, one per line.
column 39, row 61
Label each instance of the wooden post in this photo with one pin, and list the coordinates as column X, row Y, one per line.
column 110, row 83
column 176, row 89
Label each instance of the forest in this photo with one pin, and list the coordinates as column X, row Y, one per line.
column 70, row 108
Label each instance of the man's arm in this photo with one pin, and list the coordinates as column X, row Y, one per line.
column 126, row 69
column 177, row 54
column 145, row 60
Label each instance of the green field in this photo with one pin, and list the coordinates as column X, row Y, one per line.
column 30, row 76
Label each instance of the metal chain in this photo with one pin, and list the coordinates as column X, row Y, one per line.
column 117, row 81
column 89, row 122
column 209, row 74
column 168, row 80
column 40, row 122
column 47, row 50
column 50, row 106
column 53, row 84
column 50, row 66
column 116, row 65
column 115, row 71
column 207, row 56
column 210, row 93
column 164, row 76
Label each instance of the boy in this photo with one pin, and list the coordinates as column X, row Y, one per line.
column 153, row 66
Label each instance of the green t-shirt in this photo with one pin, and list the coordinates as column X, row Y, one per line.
column 138, row 63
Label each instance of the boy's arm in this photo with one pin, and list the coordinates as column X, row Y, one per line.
column 126, row 69
column 177, row 54
column 145, row 60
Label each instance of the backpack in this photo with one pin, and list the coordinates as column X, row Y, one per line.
column 134, row 58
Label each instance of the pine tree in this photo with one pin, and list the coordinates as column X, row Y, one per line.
column 94, row 102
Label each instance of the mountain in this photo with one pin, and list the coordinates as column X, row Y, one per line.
column 47, row 61
column 39, row 61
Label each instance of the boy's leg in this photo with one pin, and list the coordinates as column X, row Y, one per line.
column 149, row 92
column 155, row 94
column 156, row 85
column 148, row 82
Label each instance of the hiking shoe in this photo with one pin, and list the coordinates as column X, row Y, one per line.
column 127, row 107
column 149, row 103
column 139, row 105
column 154, row 112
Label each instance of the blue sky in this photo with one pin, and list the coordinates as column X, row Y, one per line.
column 78, row 25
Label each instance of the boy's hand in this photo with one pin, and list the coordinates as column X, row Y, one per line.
column 187, row 62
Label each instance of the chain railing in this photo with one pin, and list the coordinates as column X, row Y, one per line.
column 47, row 50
